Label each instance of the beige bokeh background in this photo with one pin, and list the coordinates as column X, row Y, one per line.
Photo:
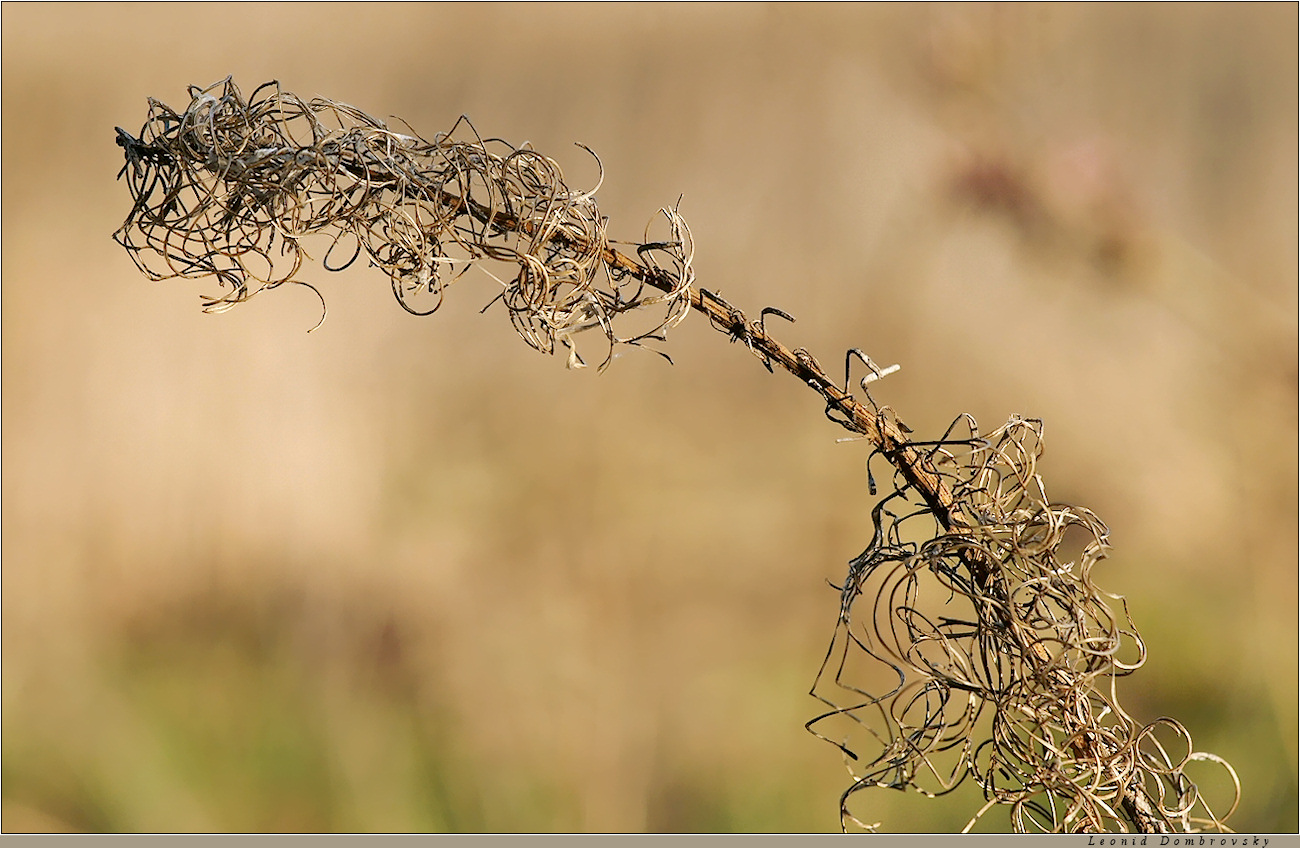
column 406, row 573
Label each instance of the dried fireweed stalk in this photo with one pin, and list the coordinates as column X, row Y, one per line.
column 972, row 642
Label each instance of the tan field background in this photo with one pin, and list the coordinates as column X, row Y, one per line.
column 406, row 574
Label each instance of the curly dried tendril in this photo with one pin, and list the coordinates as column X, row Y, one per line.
column 230, row 188
column 986, row 652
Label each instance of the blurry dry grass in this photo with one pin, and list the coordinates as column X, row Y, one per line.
column 265, row 581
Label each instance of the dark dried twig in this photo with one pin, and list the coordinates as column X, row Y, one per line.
column 999, row 654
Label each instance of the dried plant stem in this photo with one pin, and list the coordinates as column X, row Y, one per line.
column 229, row 186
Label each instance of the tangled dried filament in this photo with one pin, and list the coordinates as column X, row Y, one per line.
column 986, row 652
column 971, row 642
column 230, row 188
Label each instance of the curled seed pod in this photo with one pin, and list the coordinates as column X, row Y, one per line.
column 988, row 653
column 232, row 187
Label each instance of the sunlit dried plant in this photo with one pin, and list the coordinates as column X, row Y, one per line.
column 972, row 642
column 231, row 187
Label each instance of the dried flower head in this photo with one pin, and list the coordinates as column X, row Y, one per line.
column 1000, row 655
column 230, row 187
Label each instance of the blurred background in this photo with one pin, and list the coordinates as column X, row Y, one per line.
column 406, row 574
